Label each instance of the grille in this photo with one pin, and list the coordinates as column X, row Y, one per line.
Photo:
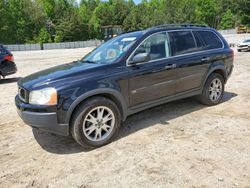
column 23, row 94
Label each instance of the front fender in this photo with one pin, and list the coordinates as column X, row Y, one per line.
column 115, row 94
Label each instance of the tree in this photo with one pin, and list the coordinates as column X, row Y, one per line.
column 32, row 21
column 207, row 12
column 70, row 28
column 59, row 36
column 5, row 36
column 43, row 36
column 227, row 20
column 244, row 11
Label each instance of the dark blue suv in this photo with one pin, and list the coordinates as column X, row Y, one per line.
column 90, row 98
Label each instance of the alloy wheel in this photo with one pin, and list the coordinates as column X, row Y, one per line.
column 215, row 89
column 98, row 123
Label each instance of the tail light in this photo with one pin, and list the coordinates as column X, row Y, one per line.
column 9, row 58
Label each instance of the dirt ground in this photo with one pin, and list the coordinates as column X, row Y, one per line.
column 179, row 144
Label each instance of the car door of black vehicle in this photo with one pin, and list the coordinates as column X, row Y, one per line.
column 191, row 66
column 155, row 78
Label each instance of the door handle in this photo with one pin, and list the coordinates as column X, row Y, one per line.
column 205, row 59
column 170, row 66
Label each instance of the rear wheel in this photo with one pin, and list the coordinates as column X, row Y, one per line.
column 96, row 122
column 239, row 50
column 213, row 90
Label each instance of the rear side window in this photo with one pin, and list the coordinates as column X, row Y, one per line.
column 207, row 40
column 182, row 42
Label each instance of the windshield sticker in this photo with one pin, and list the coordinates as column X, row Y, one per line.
column 128, row 39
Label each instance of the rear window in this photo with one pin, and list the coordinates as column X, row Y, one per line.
column 182, row 42
column 207, row 40
column 3, row 50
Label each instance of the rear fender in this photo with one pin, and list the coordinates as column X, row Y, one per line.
column 217, row 66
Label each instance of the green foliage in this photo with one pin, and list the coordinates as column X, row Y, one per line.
column 43, row 36
column 71, row 28
column 244, row 11
column 227, row 20
column 207, row 12
column 42, row 21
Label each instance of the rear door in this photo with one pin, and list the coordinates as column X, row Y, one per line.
column 191, row 67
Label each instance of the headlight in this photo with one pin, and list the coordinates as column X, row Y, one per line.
column 47, row 96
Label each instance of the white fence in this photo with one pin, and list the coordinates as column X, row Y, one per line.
column 48, row 46
column 228, row 31
column 236, row 38
column 63, row 45
column 23, row 47
column 232, row 37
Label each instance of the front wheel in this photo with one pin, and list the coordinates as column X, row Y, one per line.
column 96, row 122
column 213, row 90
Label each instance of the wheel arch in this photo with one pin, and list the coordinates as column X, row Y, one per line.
column 111, row 94
column 220, row 69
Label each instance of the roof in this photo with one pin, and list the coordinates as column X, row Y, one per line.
column 166, row 27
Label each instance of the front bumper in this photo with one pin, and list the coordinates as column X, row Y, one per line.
column 42, row 120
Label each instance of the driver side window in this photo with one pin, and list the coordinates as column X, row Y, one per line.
column 156, row 46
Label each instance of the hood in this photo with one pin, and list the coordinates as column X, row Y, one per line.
column 53, row 75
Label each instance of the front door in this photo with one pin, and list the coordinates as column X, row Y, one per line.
column 154, row 79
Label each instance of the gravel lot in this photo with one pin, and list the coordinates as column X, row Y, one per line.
column 179, row 144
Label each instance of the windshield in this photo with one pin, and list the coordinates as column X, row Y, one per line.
column 113, row 49
column 246, row 41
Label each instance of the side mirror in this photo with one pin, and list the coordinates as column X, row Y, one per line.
column 140, row 58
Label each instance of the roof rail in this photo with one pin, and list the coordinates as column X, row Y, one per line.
column 176, row 25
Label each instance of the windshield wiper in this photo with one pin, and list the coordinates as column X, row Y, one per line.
column 87, row 61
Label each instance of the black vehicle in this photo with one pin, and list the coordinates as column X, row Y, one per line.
column 129, row 73
column 7, row 65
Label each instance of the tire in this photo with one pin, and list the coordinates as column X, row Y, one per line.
column 92, row 131
column 213, row 90
column 239, row 50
